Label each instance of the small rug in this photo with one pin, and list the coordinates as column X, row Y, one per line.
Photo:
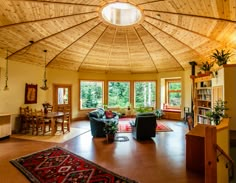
column 59, row 137
column 62, row 166
column 124, row 127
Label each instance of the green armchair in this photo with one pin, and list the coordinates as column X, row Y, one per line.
column 144, row 126
column 98, row 120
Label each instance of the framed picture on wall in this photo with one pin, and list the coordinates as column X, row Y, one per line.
column 31, row 93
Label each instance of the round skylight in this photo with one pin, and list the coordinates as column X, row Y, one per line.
column 121, row 14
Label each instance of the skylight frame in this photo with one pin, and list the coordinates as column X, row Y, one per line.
column 125, row 9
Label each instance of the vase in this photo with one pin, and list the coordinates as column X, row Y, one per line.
column 110, row 138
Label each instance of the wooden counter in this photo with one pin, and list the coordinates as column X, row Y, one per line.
column 195, row 145
column 5, row 125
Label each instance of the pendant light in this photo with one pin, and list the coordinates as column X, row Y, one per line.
column 6, row 74
column 44, row 87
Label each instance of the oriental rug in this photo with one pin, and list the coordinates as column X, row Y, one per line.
column 124, row 126
column 62, row 166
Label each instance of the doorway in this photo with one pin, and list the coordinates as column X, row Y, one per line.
column 62, row 96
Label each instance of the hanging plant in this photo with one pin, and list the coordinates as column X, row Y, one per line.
column 221, row 57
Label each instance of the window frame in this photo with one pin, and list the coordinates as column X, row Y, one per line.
column 80, row 99
column 134, row 93
column 167, row 81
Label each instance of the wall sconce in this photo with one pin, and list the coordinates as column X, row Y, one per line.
column 44, row 87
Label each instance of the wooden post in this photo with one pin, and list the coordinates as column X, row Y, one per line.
column 210, row 155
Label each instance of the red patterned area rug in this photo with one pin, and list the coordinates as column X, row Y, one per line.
column 61, row 166
column 124, row 126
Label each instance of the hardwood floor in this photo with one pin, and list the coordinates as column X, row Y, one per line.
column 161, row 159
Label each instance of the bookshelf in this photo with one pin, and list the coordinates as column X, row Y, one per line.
column 203, row 99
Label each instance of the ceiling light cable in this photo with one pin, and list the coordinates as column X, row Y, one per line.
column 44, row 87
column 6, row 74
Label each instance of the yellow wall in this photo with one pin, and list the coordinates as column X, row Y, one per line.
column 222, row 138
column 22, row 73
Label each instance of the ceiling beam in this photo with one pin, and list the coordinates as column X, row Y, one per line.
column 63, row 3
column 45, row 19
column 164, row 48
column 71, row 45
column 191, row 15
column 50, row 36
column 138, row 35
column 92, row 47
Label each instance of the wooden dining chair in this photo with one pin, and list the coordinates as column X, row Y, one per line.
column 40, row 122
column 50, row 108
column 64, row 122
column 29, row 120
column 23, row 122
column 190, row 122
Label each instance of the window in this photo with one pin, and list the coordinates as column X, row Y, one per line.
column 118, row 94
column 91, row 94
column 145, row 94
column 121, row 13
column 173, row 97
column 62, row 96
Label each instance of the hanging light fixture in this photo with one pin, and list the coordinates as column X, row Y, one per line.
column 44, row 87
column 6, row 74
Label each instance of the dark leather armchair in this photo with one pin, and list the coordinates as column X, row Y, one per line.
column 144, row 126
column 98, row 120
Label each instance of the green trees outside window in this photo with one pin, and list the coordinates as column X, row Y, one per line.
column 118, row 94
column 145, row 94
column 91, row 94
column 174, row 93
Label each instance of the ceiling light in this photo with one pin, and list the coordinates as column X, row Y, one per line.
column 121, row 14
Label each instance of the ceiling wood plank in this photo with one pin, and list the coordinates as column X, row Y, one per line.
column 175, row 39
column 111, row 47
column 183, row 28
column 63, row 3
column 149, row 2
column 71, row 45
column 45, row 19
column 164, row 48
column 191, row 15
column 50, row 36
column 92, row 47
column 145, row 48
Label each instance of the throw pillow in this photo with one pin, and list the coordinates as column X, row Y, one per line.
column 109, row 114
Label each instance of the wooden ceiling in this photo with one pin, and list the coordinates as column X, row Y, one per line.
column 171, row 34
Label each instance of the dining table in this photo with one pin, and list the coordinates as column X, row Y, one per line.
column 53, row 116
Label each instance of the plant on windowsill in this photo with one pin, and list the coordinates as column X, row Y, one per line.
column 142, row 109
column 110, row 130
column 159, row 113
column 218, row 112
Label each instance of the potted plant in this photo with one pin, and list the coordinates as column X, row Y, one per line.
column 218, row 112
column 221, row 57
column 206, row 67
column 110, row 130
column 159, row 113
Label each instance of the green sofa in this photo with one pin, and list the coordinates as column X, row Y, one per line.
column 97, row 121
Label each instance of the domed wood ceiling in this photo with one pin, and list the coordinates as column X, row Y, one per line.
column 170, row 34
